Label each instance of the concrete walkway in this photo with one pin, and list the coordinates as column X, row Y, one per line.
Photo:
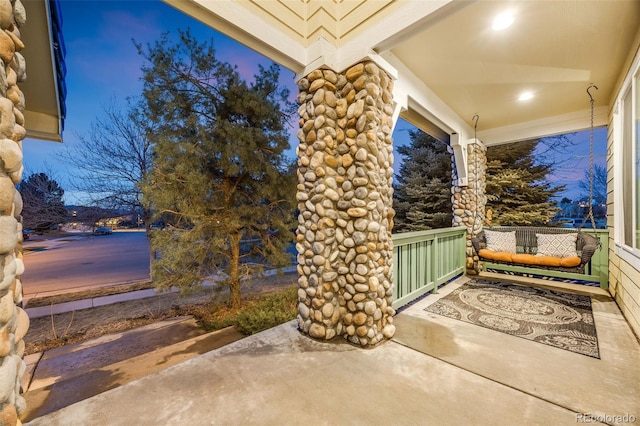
column 68, row 374
column 435, row 371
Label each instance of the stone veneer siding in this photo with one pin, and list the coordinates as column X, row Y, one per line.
column 344, row 245
column 469, row 201
column 13, row 319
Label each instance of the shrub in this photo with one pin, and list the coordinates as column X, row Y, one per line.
column 254, row 316
column 268, row 312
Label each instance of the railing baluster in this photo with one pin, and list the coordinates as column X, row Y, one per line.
column 425, row 259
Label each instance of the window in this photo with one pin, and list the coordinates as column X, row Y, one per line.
column 636, row 125
column 627, row 163
column 627, row 169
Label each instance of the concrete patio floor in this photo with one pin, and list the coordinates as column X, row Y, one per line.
column 435, row 371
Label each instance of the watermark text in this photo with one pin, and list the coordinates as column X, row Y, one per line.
column 605, row 418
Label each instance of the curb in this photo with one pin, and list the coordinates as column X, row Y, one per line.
column 60, row 308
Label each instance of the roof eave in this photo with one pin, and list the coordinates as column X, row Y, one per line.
column 44, row 112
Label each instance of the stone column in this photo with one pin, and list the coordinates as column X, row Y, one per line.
column 13, row 319
column 469, row 201
column 344, row 245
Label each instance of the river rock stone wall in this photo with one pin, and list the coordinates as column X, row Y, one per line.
column 13, row 319
column 344, row 195
column 469, row 201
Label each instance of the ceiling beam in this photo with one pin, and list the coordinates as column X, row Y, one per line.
column 548, row 126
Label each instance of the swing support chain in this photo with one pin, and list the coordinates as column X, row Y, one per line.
column 590, row 214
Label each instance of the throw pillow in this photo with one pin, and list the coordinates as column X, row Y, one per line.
column 557, row 245
column 501, row 241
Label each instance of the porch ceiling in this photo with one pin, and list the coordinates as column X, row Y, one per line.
column 450, row 63
column 553, row 49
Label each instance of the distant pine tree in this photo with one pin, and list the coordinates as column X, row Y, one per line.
column 518, row 192
column 422, row 194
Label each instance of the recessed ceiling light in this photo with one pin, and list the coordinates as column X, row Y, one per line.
column 502, row 21
column 525, row 96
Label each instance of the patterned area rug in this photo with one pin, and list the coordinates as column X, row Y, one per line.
column 563, row 320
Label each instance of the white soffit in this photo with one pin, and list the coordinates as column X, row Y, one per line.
column 249, row 27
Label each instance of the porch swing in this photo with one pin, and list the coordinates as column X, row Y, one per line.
column 543, row 252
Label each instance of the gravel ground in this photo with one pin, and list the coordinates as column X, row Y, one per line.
column 61, row 329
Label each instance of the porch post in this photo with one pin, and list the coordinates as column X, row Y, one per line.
column 344, row 196
column 14, row 321
column 469, row 201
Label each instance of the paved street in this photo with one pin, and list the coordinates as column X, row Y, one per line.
column 77, row 263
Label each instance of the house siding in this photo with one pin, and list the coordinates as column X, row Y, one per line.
column 624, row 278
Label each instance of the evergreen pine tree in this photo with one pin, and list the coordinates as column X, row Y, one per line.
column 422, row 194
column 517, row 190
column 221, row 180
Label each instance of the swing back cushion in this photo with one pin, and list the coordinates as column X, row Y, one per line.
column 557, row 245
column 501, row 241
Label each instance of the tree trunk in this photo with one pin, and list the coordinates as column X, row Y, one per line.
column 146, row 220
column 234, row 267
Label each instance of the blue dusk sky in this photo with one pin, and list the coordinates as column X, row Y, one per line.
column 103, row 64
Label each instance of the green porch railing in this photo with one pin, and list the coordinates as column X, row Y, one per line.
column 596, row 271
column 423, row 260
